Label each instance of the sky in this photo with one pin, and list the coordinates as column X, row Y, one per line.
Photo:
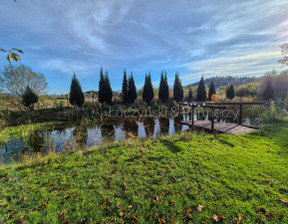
column 195, row 38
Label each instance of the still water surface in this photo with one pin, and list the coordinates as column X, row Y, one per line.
column 63, row 138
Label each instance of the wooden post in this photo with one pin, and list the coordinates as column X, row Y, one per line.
column 192, row 117
column 240, row 115
column 212, row 121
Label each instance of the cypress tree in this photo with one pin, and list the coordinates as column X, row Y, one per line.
column 29, row 98
column 201, row 90
column 268, row 92
column 163, row 87
column 101, row 94
column 108, row 89
column 211, row 90
column 76, row 96
column 190, row 96
column 177, row 89
column 124, row 88
column 148, row 93
column 230, row 93
column 131, row 93
column 105, row 91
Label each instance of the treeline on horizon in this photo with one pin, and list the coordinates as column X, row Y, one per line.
column 20, row 86
column 129, row 92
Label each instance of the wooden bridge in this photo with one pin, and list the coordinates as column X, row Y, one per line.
column 229, row 128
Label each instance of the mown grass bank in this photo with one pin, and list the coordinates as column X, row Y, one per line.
column 192, row 176
column 22, row 131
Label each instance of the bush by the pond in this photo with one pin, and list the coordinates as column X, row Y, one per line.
column 277, row 112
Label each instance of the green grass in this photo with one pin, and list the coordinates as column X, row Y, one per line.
column 155, row 180
column 12, row 132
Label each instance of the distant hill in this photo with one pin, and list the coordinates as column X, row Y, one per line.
column 225, row 80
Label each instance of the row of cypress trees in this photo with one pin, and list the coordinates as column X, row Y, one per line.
column 105, row 90
column 129, row 92
column 202, row 94
column 201, row 90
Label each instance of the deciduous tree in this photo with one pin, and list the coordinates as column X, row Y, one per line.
column 15, row 79
column 284, row 52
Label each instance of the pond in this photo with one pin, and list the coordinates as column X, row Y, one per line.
column 78, row 135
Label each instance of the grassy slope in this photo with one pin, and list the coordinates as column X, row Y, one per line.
column 155, row 180
column 11, row 132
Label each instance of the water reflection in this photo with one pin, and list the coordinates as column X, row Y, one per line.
column 36, row 141
column 72, row 137
column 62, row 137
column 94, row 136
column 185, row 118
column 141, row 130
column 157, row 129
column 119, row 133
column 80, row 135
column 171, row 127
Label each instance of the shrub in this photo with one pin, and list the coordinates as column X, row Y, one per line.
column 29, row 98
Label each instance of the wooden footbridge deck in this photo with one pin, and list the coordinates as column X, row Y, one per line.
column 229, row 128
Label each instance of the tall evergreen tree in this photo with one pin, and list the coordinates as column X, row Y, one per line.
column 105, row 92
column 230, row 92
column 132, row 93
column 124, row 88
column 201, row 90
column 163, row 87
column 101, row 93
column 211, row 90
column 76, row 96
column 177, row 89
column 160, row 92
column 29, row 98
column 148, row 92
column 190, row 96
column 108, row 89
column 268, row 93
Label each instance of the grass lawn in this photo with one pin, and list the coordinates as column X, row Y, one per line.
column 12, row 132
column 191, row 177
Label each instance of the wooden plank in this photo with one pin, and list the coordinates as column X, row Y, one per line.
column 228, row 128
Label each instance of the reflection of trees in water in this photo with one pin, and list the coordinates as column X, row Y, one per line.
column 171, row 126
column 35, row 141
column 141, row 130
column 80, row 134
column 149, row 124
column 129, row 125
column 164, row 125
column 157, row 128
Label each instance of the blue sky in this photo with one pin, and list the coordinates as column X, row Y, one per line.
column 194, row 38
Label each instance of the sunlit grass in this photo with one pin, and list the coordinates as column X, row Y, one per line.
column 154, row 181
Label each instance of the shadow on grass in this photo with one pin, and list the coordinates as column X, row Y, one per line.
column 171, row 145
column 226, row 142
